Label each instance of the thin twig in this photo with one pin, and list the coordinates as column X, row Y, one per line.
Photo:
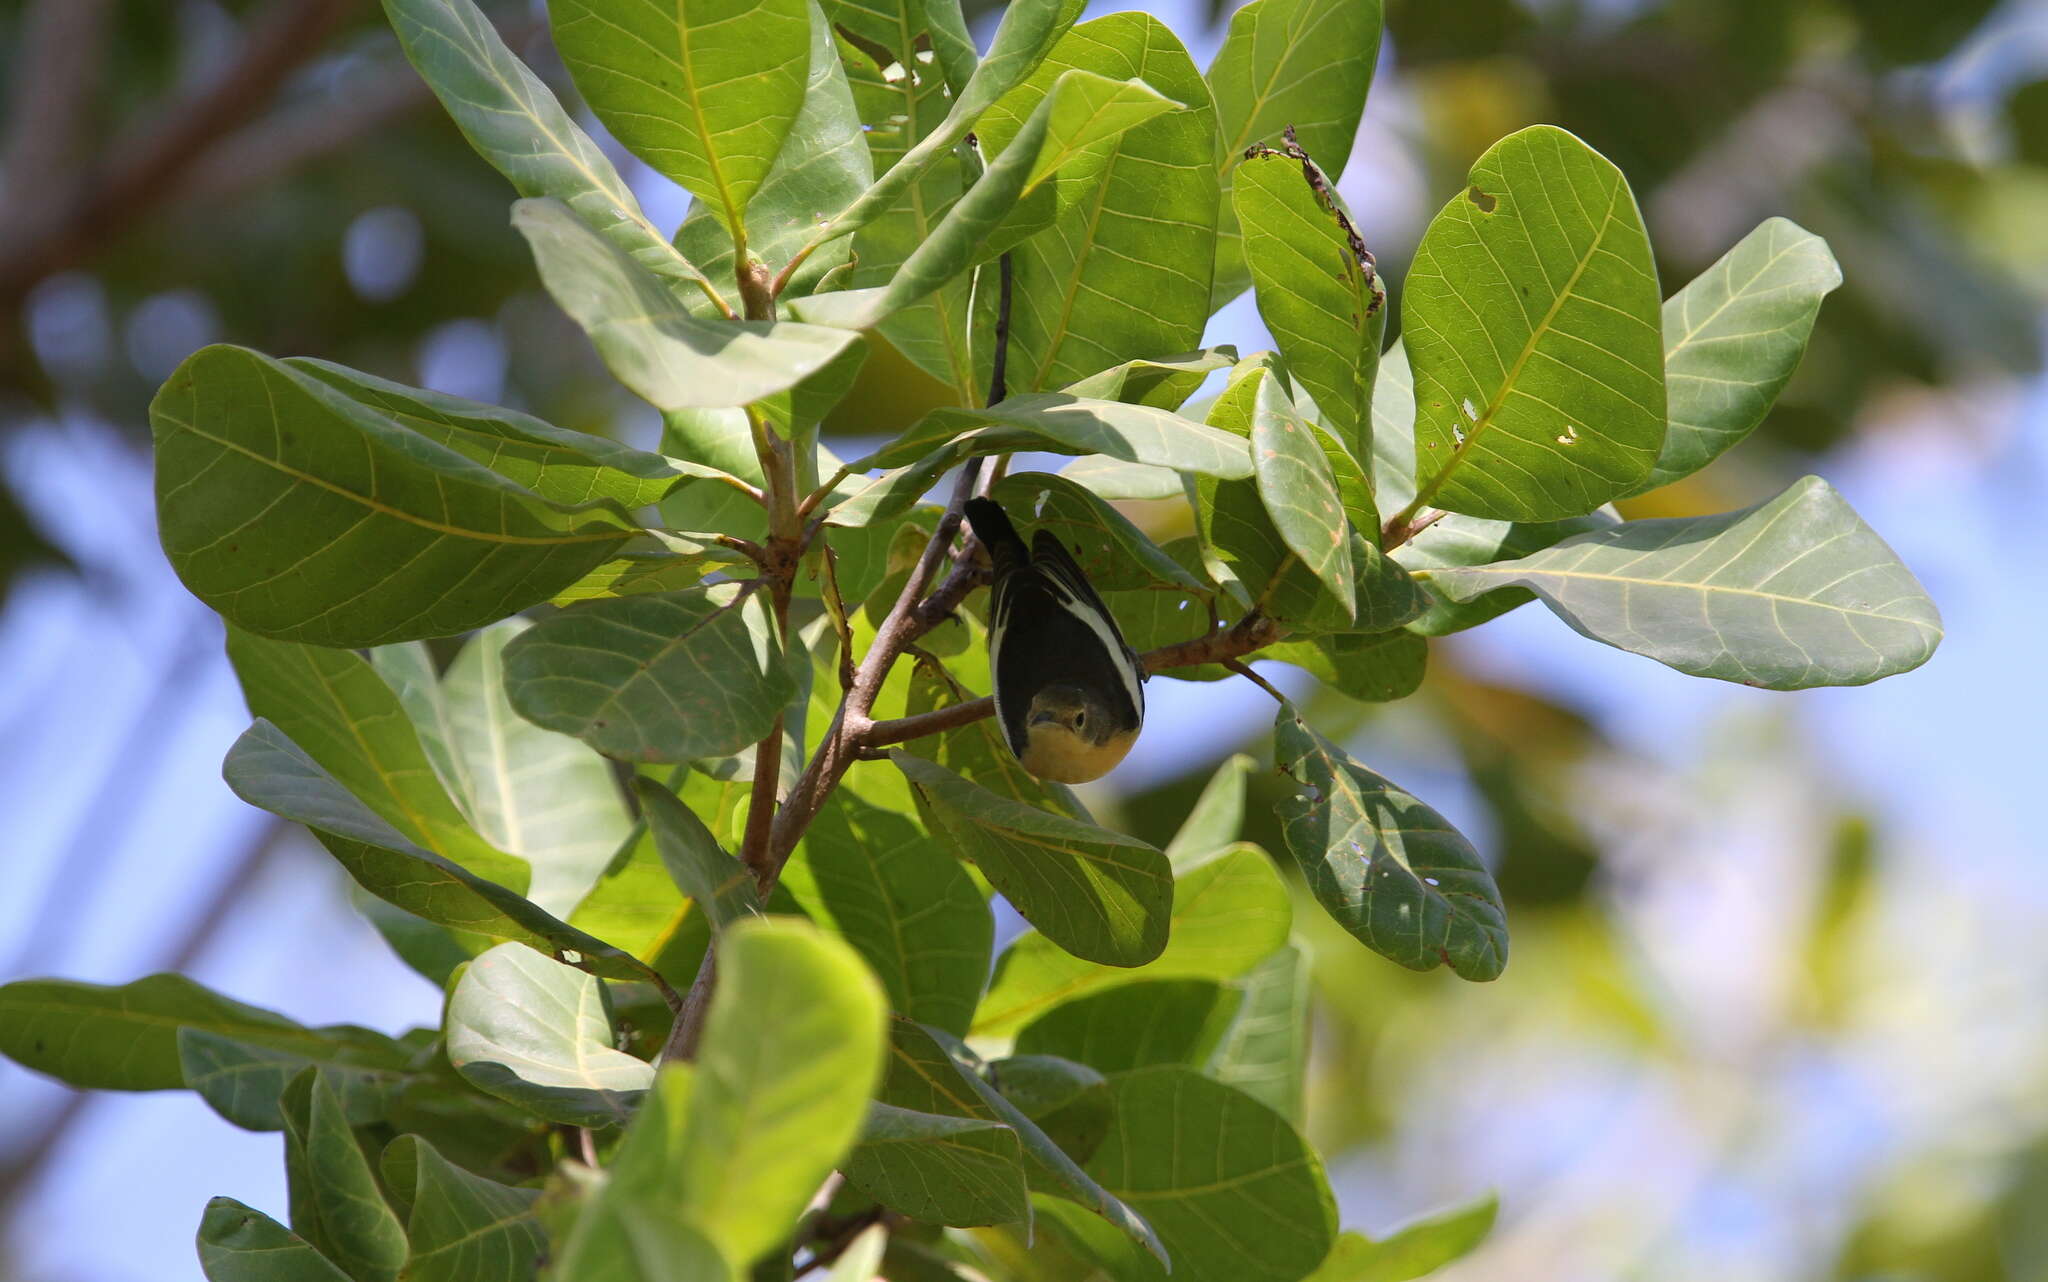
column 1253, row 677
column 1407, row 523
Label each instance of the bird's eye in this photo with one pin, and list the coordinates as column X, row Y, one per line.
column 1080, row 719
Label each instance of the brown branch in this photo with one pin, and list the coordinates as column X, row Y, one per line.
column 1407, row 523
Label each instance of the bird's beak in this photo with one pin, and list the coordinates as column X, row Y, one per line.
column 1044, row 718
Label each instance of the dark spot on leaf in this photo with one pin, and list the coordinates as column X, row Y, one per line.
column 1486, row 203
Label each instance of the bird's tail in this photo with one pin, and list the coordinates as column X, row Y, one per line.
column 1006, row 548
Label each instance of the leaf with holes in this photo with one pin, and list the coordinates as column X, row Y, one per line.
column 516, row 124
column 673, row 676
column 648, row 340
column 705, row 91
column 1792, row 593
column 1312, row 292
column 300, row 513
column 1732, row 339
column 1228, row 913
column 1532, row 327
column 1098, row 894
column 1305, row 63
column 534, row 1033
column 945, row 1170
column 1385, row 866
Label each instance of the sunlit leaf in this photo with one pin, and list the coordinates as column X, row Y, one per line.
column 648, row 340
column 668, row 677
column 1305, row 63
column 703, row 90
column 1531, row 322
column 1459, row 540
column 302, row 514
column 1732, row 339
column 1412, row 1251
column 515, row 122
column 1377, row 667
column 269, row 771
column 1792, row 593
column 535, row 1033
column 1113, row 553
column 1265, row 1052
column 1097, row 894
column 720, row 885
column 1163, row 382
column 1385, row 866
column 1228, row 912
column 1069, row 424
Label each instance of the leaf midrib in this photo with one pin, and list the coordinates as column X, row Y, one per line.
column 1674, row 585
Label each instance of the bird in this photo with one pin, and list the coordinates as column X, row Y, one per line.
column 1069, row 693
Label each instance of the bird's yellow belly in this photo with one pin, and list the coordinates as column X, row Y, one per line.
column 1058, row 754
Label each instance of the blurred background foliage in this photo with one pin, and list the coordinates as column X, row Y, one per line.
column 1773, row 1010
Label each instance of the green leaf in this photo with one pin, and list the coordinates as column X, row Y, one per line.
column 1115, row 555
column 241, row 1244
column 648, row 340
column 554, row 462
column 977, row 751
column 539, row 795
column 335, row 1202
column 1163, row 383
column 1082, row 111
column 1063, row 424
column 1458, row 540
column 516, row 124
column 1386, row 867
column 125, row 1038
column 1733, row 337
column 1228, row 913
column 1124, row 269
column 535, row 1033
column 1097, row 894
column 1265, row 1052
column 269, row 771
column 1412, row 1251
column 673, row 676
column 792, row 1049
column 1791, row 593
column 822, row 168
column 346, row 718
column 1136, row 1025
column 303, row 514
column 1066, row 1100
column 242, row 1081
column 659, row 561
column 1029, row 28
column 1213, row 822
column 926, row 1073
column 1313, row 292
column 1300, row 495
column 862, row 1257
column 705, row 91
column 1377, row 667
column 1305, row 63
column 1235, row 1194
column 946, row 1170
column 1115, row 479
column 1531, row 322
column 719, row 884
column 904, row 903
column 1393, row 429
column 463, row 1227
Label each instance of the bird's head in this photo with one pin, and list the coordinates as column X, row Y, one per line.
column 1073, row 736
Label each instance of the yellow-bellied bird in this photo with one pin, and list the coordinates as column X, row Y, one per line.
column 1069, row 693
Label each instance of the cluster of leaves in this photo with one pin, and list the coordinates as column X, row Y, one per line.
column 812, row 833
